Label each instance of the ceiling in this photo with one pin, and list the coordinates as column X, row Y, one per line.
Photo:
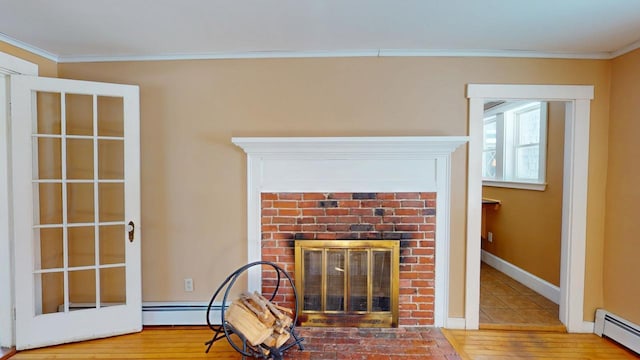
column 94, row 30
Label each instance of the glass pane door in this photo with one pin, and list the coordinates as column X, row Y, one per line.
column 76, row 185
column 78, row 180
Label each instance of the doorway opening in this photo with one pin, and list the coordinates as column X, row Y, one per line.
column 575, row 165
column 521, row 215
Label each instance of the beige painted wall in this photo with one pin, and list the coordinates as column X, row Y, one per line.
column 622, row 239
column 527, row 226
column 193, row 178
column 46, row 67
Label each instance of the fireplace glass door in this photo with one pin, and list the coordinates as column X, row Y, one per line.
column 347, row 283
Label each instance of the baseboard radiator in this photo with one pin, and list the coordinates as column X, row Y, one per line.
column 179, row 313
column 167, row 313
column 618, row 329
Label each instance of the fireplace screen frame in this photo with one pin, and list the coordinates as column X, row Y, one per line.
column 346, row 316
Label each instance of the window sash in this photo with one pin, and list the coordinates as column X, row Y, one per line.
column 509, row 149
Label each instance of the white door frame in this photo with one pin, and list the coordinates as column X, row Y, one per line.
column 8, row 65
column 574, row 198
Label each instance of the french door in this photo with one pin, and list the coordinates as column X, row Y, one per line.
column 76, row 209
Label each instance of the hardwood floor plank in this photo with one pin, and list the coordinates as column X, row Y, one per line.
column 154, row 343
column 494, row 344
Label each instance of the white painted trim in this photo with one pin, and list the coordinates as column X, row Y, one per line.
column 515, row 185
column 352, row 159
column 627, row 49
column 492, row 53
column 530, row 92
column 349, row 146
column 474, row 211
column 529, row 280
column 14, row 65
column 588, row 327
column 8, row 65
column 335, row 54
column 455, row 323
column 598, row 55
column 6, row 259
column 576, row 160
column 30, row 48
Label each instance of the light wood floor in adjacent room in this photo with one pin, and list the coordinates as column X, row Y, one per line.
column 502, row 344
column 507, row 304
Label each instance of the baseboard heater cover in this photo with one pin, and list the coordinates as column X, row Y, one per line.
column 179, row 313
column 618, row 329
column 167, row 313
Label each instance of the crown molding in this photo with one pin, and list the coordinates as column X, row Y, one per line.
column 627, row 49
column 337, row 54
column 30, row 48
column 603, row 55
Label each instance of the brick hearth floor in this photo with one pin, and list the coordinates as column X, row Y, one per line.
column 373, row 344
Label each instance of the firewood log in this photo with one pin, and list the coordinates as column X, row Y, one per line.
column 245, row 322
column 260, row 321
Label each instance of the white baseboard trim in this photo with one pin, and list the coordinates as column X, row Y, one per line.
column 456, row 323
column 531, row 281
column 174, row 313
column 588, row 327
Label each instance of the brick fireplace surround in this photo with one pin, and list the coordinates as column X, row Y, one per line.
column 405, row 216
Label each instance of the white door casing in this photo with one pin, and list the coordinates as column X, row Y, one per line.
column 574, row 202
column 8, row 65
column 35, row 328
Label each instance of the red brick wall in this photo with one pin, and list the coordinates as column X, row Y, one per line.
column 407, row 217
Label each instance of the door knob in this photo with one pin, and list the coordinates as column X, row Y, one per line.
column 131, row 229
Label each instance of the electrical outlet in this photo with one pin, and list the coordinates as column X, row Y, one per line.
column 188, row 285
column 490, row 236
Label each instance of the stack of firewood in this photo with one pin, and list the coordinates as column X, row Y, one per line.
column 259, row 320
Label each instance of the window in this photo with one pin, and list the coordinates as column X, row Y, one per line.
column 514, row 144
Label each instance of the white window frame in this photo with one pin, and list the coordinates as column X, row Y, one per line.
column 506, row 133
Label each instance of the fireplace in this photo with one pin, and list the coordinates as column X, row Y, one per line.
column 319, row 237
column 337, row 169
column 347, row 282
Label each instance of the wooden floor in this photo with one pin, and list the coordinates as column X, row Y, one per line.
column 151, row 343
column 496, row 345
column 419, row 343
column 507, row 304
column 320, row 343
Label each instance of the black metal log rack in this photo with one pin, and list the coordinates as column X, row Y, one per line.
column 224, row 330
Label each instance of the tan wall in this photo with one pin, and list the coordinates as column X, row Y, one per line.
column 46, row 67
column 622, row 239
column 193, row 178
column 527, row 226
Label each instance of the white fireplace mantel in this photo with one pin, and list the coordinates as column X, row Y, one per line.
column 353, row 164
column 349, row 146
